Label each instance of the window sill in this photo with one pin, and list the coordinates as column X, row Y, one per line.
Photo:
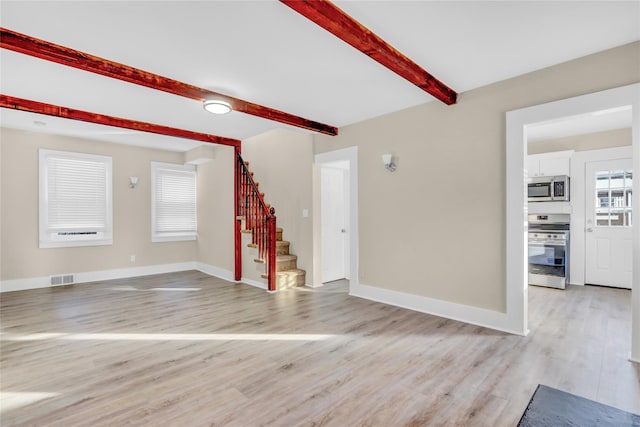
column 174, row 238
column 76, row 243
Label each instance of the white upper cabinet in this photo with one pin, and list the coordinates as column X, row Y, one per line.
column 550, row 164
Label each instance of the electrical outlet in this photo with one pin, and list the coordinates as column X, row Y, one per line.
column 132, row 258
column 305, row 213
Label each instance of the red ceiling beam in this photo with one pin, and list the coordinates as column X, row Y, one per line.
column 74, row 58
column 101, row 119
column 337, row 22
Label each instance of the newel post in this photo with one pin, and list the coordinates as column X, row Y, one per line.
column 271, row 253
column 237, row 232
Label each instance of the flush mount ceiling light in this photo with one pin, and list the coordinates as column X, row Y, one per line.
column 216, row 106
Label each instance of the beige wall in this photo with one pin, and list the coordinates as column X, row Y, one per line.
column 281, row 161
column 433, row 228
column 436, row 226
column 591, row 141
column 216, row 210
column 287, row 183
column 20, row 255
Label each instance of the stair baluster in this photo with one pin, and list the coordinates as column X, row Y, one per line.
column 259, row 218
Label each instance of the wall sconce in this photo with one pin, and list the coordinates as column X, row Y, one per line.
column 133, row 181
column 388, row 164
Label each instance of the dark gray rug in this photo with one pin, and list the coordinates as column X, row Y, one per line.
column 550, row 407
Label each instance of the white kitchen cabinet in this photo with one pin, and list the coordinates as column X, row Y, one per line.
column 550, row 164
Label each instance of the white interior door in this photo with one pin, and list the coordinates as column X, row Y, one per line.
column 608, row 240
column 334, row 221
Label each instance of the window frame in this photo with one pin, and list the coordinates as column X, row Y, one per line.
column 159, row 236
column 626, row 208
column 46, row 235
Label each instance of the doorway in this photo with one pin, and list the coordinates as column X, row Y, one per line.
column 516, row 212
column 336, row 217
column 334, row 208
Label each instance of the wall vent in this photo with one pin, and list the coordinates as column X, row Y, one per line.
column 64, row 279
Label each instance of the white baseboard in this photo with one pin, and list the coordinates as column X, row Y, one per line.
column 254, row 283
column 460, row 312
column 96, row 276
column 227, row 275
column 123, row 273
column 463, row 313
column 214, row 271
column 24, row 284
column 310, row 285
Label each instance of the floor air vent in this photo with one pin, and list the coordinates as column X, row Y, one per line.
column 65, row 279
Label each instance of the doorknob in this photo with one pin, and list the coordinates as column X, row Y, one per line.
column 343, row 230
column 589, row 230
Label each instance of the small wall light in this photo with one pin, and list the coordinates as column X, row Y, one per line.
column 133, row 181
column 388, row 163
column 217, row 106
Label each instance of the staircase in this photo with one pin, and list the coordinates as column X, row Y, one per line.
column 288, row 275
column 258, row 219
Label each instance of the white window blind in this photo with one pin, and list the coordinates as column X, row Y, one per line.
column 75, row 199
column 174, row 202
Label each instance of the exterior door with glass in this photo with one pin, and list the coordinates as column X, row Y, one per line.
column 609, row 219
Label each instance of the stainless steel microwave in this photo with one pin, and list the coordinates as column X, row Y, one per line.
column 548, row 189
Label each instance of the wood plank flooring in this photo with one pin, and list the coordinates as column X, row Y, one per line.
column 187, row 349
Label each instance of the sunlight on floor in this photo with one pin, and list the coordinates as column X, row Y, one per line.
column 11, row 400
column 164, row 337
column 131, row 288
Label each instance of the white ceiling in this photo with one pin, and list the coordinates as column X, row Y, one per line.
column 266, row 53
column 597, row 121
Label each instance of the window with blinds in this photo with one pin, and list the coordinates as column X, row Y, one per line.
column 173, row 194
column 75, row 199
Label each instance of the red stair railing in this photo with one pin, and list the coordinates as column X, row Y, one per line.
column 259, row 218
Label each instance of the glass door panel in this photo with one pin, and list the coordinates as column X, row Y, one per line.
column 613, row 198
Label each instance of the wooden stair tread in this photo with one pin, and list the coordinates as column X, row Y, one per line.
column 295, row 272
column 279, row 258
column 278, row 243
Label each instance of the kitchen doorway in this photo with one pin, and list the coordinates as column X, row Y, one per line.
column 516, row 201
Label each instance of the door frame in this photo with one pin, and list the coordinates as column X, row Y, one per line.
column 516, row 201
column 350, row 155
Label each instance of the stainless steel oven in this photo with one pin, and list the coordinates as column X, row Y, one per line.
column 548, row 247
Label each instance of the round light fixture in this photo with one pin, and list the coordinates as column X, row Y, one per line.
column 216, row 106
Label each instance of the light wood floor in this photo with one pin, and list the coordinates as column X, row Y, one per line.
column 142, row 352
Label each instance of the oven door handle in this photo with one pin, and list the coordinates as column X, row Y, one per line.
column 543, row 244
